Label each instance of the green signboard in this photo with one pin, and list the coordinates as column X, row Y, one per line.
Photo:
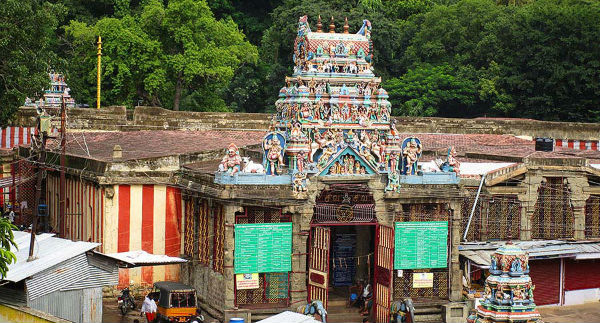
column 263, row 248
column 421, row 245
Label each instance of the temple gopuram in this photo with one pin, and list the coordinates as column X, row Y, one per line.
column 52, row 97
column 332, row 141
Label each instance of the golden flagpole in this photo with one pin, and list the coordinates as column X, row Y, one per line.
column 99, row 70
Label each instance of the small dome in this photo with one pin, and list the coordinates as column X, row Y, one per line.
column 283, row 92
column 303, row 90
column 382, row 93
column 509, row 259
column 510, row 249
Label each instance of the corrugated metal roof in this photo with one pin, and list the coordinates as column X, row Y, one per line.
column 98, row 277
column 59, row 276
column 49, row 251
column 138, row 258
column 480, row 252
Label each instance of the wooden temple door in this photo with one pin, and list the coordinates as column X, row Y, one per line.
column 318, row 268
column 384, row 262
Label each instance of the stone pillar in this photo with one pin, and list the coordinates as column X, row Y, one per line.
column 300, row 250
column 528, row 199
column 228, row 253
column 577, row 185
column 454, row 270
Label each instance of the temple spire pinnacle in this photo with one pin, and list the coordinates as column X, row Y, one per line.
column 332, row 26
column 319, row 25
column 346, row 25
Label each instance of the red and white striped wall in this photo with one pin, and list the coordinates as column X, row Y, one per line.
column 16, row 136
column 578, row 144
column 124, row 218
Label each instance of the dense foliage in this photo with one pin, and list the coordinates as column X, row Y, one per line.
column 7, row 241
column 462, row 58
column 26, row 48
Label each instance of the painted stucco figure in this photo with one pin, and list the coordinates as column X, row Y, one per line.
column 231, row 162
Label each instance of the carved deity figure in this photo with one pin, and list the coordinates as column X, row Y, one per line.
column 299, row 184
column 452, row 161
column 231, row 162
column 411, row 155
column 274, row 155
column 530, row 292
column 393, row 182
column 327, row 153
column 296, row 131
column 518, row 294
column 393, row 161
column 515, row 266
column 301, row 160
column 494, row 264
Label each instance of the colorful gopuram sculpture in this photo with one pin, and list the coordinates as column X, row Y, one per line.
column 52, row 97
column 508, row 295
column 332, row 116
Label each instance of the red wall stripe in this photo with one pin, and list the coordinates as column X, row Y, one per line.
column 147, row 228
column 92, row 201
column 595, row 145
column 124, row 213
column 172, row 234
column 570, row 143
column 582, row 145
column 123, row 221
column 102, row 218
column 3, row 142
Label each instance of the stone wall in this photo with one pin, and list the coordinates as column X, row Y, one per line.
column 107, row 118
column 148, row 118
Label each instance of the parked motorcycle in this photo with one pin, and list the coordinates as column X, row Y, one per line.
column 125, row 301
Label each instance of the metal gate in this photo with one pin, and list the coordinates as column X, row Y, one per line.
column 318, row 268
column 384, row 262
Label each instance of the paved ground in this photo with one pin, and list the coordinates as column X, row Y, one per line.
column 587, row 313
column 111, row 313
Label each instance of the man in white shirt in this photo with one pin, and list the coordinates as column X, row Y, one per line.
column 149, row 308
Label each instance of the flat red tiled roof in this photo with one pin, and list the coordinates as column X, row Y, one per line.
column 155, row 143
column 160, row 143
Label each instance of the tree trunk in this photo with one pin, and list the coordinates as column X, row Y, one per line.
column 177, row 92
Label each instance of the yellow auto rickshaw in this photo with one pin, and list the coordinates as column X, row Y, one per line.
column 176, row 301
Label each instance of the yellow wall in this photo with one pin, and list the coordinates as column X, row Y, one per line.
column 10, row 314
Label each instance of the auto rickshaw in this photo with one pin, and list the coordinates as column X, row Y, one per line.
column 176, row 301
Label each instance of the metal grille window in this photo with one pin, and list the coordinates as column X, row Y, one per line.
column 273, row 287
column 23, row 193
column 203, row 212
column 189, row 232
column 403, row 286
column 495, row 218
column 553, row 215
column 423, row 212
column 219, row 238
column 592, row 217
column 262, row 215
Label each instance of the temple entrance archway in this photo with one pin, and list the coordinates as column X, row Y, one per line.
column 347, row 244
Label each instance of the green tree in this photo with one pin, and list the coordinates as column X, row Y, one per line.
column 426, row 89
column 26, row 51
column 160, row 55
column 7, row 239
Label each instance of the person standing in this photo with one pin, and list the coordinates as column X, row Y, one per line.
column 149, row 308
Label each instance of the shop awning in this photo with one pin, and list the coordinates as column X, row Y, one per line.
column 480, row 252
column 139, row 258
